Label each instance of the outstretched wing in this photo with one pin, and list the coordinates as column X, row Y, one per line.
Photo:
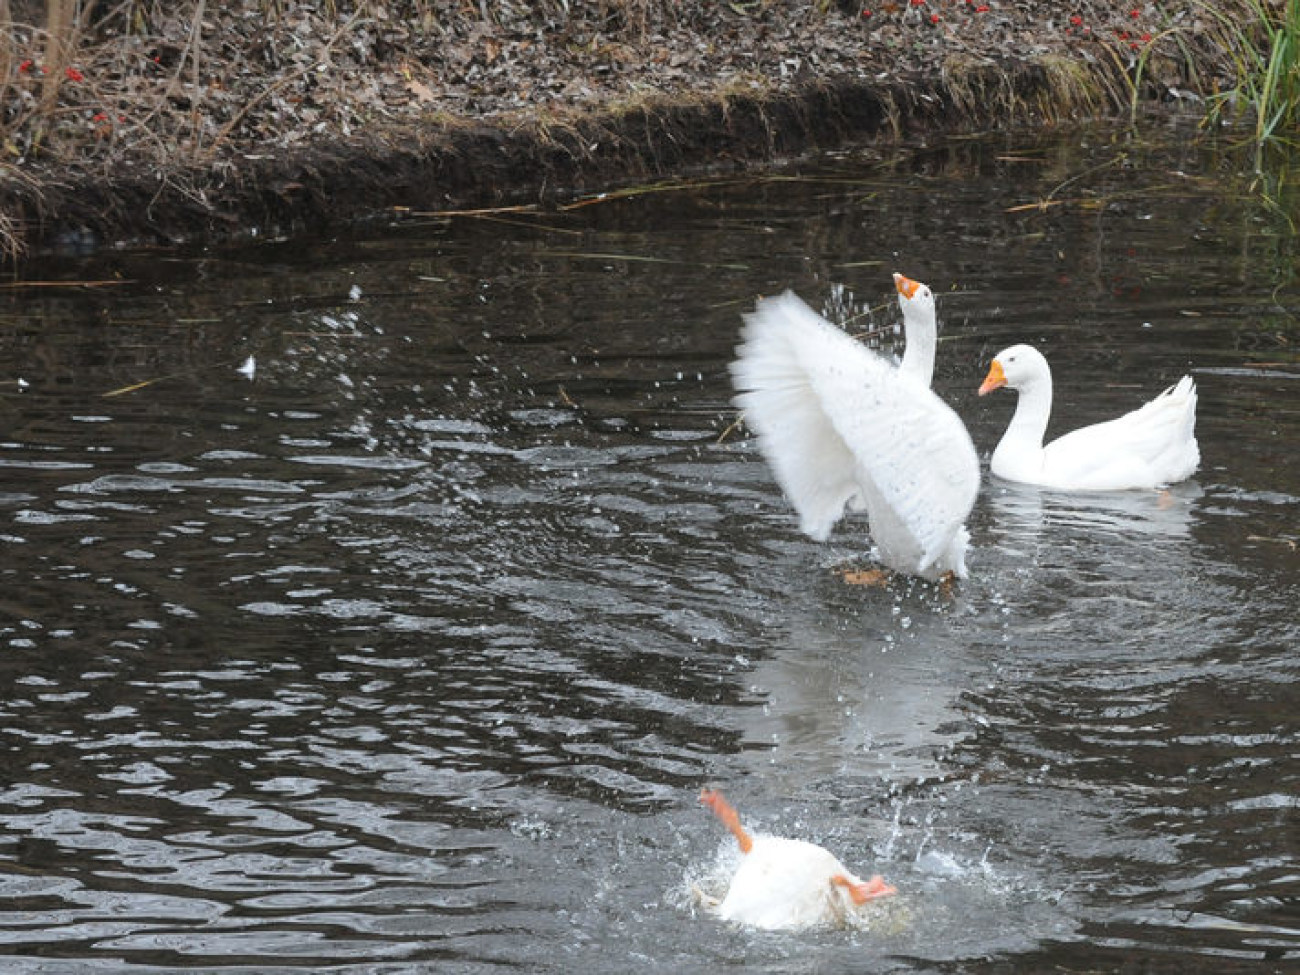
column 837, row 421
column 812, row 463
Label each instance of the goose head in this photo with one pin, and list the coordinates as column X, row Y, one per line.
column 1020, row 367
column 915, row 299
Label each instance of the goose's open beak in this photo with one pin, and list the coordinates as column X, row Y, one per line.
column 906, row 286
column 996, row 378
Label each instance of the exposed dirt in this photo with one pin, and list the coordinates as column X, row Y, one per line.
column 157, row 126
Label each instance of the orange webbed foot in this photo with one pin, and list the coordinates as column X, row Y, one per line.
column 866, row 577
column 729, row 817
column 862, row 891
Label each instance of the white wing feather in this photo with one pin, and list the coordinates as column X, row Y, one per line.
column 839, row 424
column 1154, row 444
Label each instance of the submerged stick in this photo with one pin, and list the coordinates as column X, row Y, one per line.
column 731, row 428
column 133, row 387
column 641, row 258
column 123, row 390
column 9, row 285
column 480, row 212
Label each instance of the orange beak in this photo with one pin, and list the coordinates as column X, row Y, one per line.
column 996, row 378
column 906, row 286
column 863, row 891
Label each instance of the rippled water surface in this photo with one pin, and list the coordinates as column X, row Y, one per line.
column 412, row 652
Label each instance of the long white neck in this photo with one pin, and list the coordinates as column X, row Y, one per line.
column 921, row 335
column 1019, row 454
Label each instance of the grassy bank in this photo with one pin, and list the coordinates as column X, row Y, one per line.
column 192, row 119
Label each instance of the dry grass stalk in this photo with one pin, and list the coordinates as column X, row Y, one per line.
column 62, row 37
column 7, row 59
column 172, row 94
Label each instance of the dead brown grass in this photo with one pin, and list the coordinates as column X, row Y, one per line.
column 257, row 100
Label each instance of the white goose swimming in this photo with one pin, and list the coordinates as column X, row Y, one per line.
column 843, row 427
column 1151, row 446
column 785, row 884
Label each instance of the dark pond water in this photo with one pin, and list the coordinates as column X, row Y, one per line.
column 412, row 653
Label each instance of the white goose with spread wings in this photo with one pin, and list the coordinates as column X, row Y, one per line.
column 842, row 427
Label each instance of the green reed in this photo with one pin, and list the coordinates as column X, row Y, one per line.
column 1262, row 40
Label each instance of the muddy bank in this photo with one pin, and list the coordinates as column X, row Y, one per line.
column 275, row 118
column 473, row 165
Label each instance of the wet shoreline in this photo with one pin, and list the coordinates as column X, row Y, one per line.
column 667, row 100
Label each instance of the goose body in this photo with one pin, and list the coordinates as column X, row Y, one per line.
column 785, row 884
column 1153, row 445
column 844, row 428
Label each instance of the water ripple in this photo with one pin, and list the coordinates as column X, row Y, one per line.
column 413, row 654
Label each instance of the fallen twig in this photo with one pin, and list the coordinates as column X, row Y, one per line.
column 133, row 387
column 733, row 426
column 1288, row 542
column 642, row 258
column 13, row 285
column 480, row 212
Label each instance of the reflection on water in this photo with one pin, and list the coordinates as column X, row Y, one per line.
column 413, row 652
